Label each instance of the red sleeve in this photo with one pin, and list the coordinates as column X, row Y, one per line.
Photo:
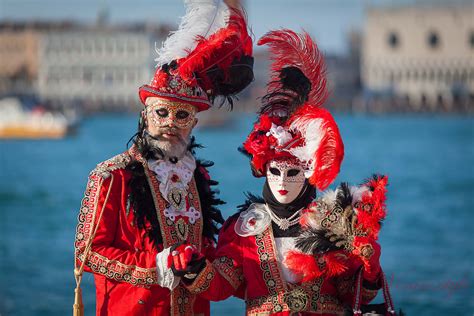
column 223, row 276
column 104, row 205
column 345, row 285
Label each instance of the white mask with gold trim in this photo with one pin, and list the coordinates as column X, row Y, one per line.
column 286, row 179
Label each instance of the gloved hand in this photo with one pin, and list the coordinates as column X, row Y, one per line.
column 368, row 251
column 185, row 260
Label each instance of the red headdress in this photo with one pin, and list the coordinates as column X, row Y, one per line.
column 210, row 55
column 292, row 122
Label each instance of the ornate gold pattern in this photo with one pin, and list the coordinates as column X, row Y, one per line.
column 286, row 296
column 203, row 280
column 181, row 229
column 104, row 168
column 118, row 271
column 297, row 300
column 225, row 266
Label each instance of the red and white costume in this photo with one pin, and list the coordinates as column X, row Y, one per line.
column 270, row 271
column 210, row 56
column 122, row 258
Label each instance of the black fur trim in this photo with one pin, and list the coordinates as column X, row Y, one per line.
column 141, row 199
column 209, row 201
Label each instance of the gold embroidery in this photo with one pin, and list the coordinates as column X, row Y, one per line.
column 286, row 296
column 118, row 271
column 203, row 280
column 297, row 300
column 225, row 266
column 182, row 229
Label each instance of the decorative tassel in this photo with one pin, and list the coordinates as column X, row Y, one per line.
column 78, row 306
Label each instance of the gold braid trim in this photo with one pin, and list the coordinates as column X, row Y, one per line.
column 118, row 271
column 225, row 267
column 203, row 280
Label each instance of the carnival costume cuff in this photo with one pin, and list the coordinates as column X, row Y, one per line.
column 203, row 279
column 166, row 277
column 368, row 250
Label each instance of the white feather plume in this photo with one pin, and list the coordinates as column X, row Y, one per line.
column 329, row 196
column 202, row 18
column 312, row 132
column 357, row 192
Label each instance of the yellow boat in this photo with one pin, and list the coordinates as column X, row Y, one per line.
column 18, row 123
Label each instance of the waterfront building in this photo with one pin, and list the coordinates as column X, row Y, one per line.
column 100, row 68
column 420, row 56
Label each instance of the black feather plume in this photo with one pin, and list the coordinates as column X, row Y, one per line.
column 314, row 241
column 344, row 196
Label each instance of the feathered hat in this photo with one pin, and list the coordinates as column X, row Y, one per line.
column 210, row 55
column 292, row 122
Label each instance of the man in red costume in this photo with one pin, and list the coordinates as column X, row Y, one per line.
column 287, row 253
column 140, row 204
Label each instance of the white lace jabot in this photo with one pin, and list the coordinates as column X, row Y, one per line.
column 174, row 179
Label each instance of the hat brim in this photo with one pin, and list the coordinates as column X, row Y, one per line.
column 146, row 91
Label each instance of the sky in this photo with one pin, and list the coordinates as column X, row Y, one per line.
column 328, row 21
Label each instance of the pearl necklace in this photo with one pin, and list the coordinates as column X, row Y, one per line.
column 284, row 223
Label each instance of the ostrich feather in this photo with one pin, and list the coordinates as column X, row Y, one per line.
column 220, row 49
column 370, row 219
column 344, row 197
column 202, row 19
column 288, row 49
column 323, row 149
column 314, row 241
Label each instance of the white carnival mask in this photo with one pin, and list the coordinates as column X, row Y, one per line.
column 286, row 179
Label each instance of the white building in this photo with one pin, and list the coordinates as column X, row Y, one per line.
column 101, row 67
column 424, row 55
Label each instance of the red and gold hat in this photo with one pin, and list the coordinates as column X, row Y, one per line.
column 292, row 122
column 209, row 56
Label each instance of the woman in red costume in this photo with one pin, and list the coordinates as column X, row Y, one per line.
column 287, row 253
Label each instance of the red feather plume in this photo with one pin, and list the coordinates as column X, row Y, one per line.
column 327, row 154
column 372, row 208
column 220, row 49
column 288, row 48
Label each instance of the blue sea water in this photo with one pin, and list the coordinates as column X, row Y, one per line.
column 427, row 248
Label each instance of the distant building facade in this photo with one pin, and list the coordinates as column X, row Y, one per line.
column 18, row 58
column 421, row 56
column 65, row 64
column 100, row 68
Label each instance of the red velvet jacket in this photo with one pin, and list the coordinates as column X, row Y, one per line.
column 247, row 267
column 122, row 258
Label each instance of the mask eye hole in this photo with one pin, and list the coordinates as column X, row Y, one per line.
column 275, row 171
column 293, row 172
column 181, row 115
column 162, row 112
